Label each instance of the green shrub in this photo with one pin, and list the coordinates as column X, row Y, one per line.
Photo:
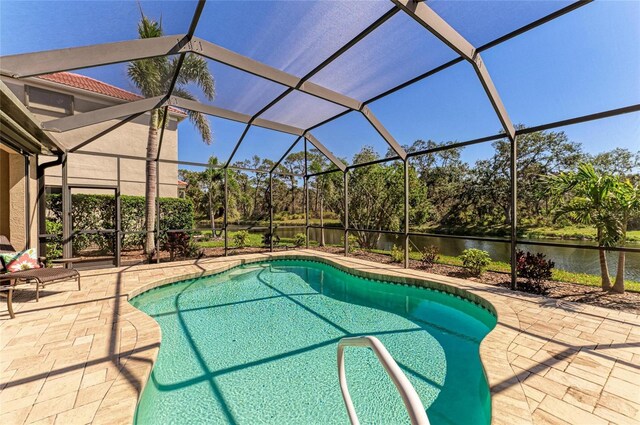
column 181, row 244
column 535, row 268
column 98, row 212
column 241, row 238
column 299, row 239
column 353, row 243
column 430, row 256
column 475, row 260
column 54, row 243
column 397, row 254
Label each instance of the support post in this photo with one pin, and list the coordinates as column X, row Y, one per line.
column 157, row 212
column 66, row 211
column 42, row 211
column 27, row 200
column 514, row 210
column 226, row 207
column 406, row 213
column 306, row 194
column 346, row 213
column 118, row 216
column 271, row 211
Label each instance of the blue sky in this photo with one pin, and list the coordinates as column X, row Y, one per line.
column 581, row 63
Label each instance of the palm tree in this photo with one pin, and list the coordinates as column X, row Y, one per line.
column 592, row 202
column 213, row 180
column 153, row 78
column 628, row 197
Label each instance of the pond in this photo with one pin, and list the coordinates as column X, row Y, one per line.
column 570, row 258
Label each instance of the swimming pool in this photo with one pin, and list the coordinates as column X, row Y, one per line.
column 257, row 345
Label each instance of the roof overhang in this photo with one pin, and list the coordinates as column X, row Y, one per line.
column 21, row 130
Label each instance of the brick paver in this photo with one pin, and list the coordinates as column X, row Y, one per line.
column 85, row 356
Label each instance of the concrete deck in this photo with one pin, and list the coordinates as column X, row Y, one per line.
column 79, row 357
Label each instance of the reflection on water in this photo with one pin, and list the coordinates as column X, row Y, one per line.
column 570, row 259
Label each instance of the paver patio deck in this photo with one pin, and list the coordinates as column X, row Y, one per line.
column 85, row 356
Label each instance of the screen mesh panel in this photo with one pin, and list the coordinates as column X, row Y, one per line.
column 302, row 110
column 33, row 26
column 436, row 106
column 350, row 134
column 270, row 145
column 395, row 52
column 237, row 90
column 225, row 136
column 294, row 36
column 483, row 21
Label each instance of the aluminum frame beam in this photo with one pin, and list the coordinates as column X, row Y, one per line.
column 51, row 61
column 326, row 152
column 383, row 132
column 486, row 46
column 97, row 116
column 144, row 105
column 293, row 145
column 215, row 111
column 176, row 74
column 31, row 64
column 437, row 26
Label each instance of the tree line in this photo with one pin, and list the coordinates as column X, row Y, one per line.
column 446, row 193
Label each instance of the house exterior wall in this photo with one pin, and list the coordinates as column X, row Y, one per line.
column 13, row 204
column 129, row 139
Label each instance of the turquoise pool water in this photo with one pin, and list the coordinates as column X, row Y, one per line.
column 257, row 345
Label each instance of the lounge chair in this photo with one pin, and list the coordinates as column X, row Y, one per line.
column 41, row 277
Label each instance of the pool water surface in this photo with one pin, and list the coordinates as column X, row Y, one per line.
column 257, row 345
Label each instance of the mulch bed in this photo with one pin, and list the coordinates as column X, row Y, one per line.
column 562, row 291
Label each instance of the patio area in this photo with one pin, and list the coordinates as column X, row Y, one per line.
column 85, row 356
column 369, row 136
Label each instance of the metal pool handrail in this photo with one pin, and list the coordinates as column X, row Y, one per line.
column 412, row 402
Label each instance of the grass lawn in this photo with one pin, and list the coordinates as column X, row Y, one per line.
column 254, row 240
column 541, row 232
column 557, row 275
column 572, row 232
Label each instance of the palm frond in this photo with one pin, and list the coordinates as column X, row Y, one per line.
column 195, row 70
column 153, row 76
column 149, row 74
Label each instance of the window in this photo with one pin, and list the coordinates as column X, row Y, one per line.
column 50, row 101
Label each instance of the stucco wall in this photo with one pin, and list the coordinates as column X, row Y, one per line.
column 129, row 139
column 4, row 193
column 13, row 209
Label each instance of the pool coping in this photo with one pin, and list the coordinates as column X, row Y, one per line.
column 88, row 354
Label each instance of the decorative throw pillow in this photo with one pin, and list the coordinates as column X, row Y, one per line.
column 5, row 258
column 23, row 260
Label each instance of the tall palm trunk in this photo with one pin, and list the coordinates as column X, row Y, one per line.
column 151, row 183
column 604, row 268
column 212, row 217
column 293, row 196
column 322, row 241
column 618, row 285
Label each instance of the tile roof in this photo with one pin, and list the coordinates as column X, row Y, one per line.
column 91, row 84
